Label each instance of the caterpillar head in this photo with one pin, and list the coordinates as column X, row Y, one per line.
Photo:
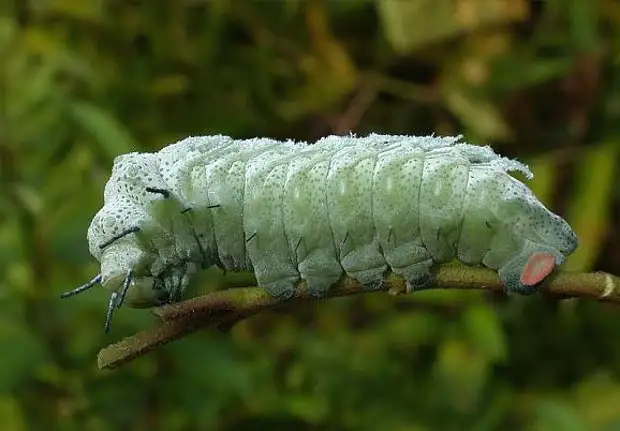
column 136, row 277
column 139, row 265
column 127, row 272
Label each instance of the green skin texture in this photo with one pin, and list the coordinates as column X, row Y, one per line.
column 289, row 211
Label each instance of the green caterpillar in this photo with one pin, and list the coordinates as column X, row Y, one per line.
column 291, row 211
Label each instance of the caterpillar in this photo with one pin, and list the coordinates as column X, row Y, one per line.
column 287, row 211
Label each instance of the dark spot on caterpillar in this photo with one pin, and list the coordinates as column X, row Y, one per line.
column 133, row 229
column 487, row 224
column 186, row 210
column 200, row 247
column 438, row 232
column 214, row 206
column 250, row 238
column 220, row 265
column 390, row 232
column 163, row 192
column 298, row 243
column 346, row 237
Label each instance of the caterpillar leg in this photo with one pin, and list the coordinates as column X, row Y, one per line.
column 372, row 279
column 318, row 286
column 273, row 270
column 368, row 257
column 281, row 289
column 321, row 271
column 417, row 276
column 413, row 262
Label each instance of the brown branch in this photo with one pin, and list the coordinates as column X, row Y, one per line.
column 224, row 308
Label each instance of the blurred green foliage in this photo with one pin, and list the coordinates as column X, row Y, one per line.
column 84, row 80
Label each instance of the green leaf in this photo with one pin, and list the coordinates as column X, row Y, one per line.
column 550, row 415
column 112, row 137
column 21, row 354
column 460, row 374
column 583, row 21
column 484, row 330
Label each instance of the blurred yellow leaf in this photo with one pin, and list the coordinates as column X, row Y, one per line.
column 542, row 185
column 170, row 85
column 590, row 209
column 409, row 25
column 461, row 373
column 477, row 114
column 83, row 10
column 597, row 399
column 330, row 71
column 11, row 414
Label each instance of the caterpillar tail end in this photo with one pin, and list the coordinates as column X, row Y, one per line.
column 524, row 274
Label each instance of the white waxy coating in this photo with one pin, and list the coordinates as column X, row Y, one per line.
column 266, row 242
column 225, row 183
column 306, row 220
column 349, row 208
column 290, row 211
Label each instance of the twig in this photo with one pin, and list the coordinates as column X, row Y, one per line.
column 222, row 309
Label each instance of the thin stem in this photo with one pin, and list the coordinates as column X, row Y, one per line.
column 224, row 308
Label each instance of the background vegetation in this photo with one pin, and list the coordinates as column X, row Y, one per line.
column 84, row 80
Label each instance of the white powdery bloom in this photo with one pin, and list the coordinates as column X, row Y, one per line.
column 343, row 205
